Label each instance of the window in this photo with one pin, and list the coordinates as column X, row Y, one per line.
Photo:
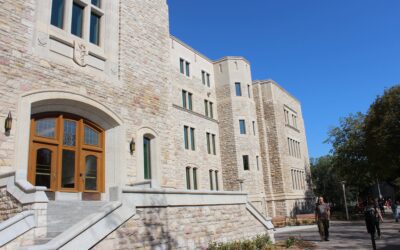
column 216, row 181
column 213, row 145
column 208, row 143
column 248, row 90
column 211, row 110
column 187, row 100
column 286, row 117
column 203, row 77
column 186, row 136
column 242, row 125
column 96, row 3
column 238, row 89
column 257, row 162
column 211, row 180
column 187, row 69
column 184, row 96
column 208, row 80
column 57, row 13
column 254, row 128
column 246, row 162
column 94, row 28
column 294, row 118
column 147, row 158
column 182, row 66
column 195, row 178
column 192, row 139
column 190, row 97
column 206, row 107
column 294, row 148
column 77, row 19
column 188, row 186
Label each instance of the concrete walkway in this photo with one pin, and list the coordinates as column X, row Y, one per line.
column 347, row 235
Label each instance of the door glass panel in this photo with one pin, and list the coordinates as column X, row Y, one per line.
column 146, row 157
column 91, row 136
column 45, row 127
column 68, row 169
column 43, row 167
column 91, row 172
column 69, row 133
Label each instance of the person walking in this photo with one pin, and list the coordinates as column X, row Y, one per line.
column 322, row 217
column 372, row 217
column 394, row 210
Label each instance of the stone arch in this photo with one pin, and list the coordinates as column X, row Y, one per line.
column 75, row 103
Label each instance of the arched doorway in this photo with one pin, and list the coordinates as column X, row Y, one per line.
column 66, row 153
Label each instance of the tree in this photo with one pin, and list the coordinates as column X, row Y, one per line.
column 349, row 156
column 382, row 134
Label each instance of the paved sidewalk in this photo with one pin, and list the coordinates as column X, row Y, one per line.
column 348, row 235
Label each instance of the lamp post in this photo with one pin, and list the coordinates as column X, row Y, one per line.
column 345, row 200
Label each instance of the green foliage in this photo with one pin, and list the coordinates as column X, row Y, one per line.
column 382, row 129
column 290, row 242
column 260, row 242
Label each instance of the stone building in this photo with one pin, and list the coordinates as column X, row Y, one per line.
column 117, row 135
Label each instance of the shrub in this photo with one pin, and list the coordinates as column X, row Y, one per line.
column 260, row 242
column 290, row 242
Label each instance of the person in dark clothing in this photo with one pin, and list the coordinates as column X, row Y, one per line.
column 322, row 217
column 372, row 218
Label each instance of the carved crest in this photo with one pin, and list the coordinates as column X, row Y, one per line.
column 80, row 53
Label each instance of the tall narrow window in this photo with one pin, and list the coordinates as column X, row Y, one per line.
column 248, row 90
column 195, row 178
column 238, row 89
column 184, row 104
column 192, row 138
column 208, row 80
column 187, row 69
column 203, row 77
column 186, row 136
column 94, row 28
column 242, row 125
column 77, row 20
column 216, row 181
column 188, row 186
column 254, row 128
column 190, row 104
column 206, row 107
column 182, row 66
column 208, row 143
column 57, row 13
column 211, row 110
column 213, row 145
column 96, row 3
column 147, row 158
column 257, row 162
column 246, row 162
column 211, row 180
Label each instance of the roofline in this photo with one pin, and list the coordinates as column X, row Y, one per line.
column 270, row 81
column 225, row 58
column 190, row 48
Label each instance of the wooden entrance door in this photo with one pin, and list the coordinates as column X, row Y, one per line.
column 66, row 154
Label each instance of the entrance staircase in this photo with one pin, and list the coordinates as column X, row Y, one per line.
column 62, row 215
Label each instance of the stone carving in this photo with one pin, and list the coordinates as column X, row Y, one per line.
column 42, row 39
column 80, row 53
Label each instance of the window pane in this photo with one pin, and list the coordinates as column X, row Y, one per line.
column 91, row 136
column 46, row 127
column 245, row 162
column 43, row 167
column 238, row 89
column 216, row 181
column 184, row 99
column 69, row 133
column 208, row 80
column 190, row 101
column 208, row 143
column 187, row 69
column 57, row 13
column 242, row 125
column 248, row 90
column 254, row 128
column 257, row 162
column 77, row 20
column 186, row 136
column 192, row 138
column 213, row 145
column 68, row 169
column 188, row 178
column 94, row 28
column 211, row 110
column 147, row 158
column 203, row 77
column 195, row 178
column 182, row 66
column 91, row 173
column 211, row 180
column 96, row 3
column 206, row 107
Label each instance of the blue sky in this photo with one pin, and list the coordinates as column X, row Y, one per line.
column 334, row 56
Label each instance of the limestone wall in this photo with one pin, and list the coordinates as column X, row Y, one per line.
column 9, row 206
column 183, row 227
